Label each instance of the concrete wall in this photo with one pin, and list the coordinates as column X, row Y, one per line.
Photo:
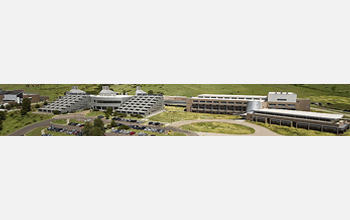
column 278, row 97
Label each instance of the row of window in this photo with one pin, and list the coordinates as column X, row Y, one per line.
column 294, row 116
column 282, row 105
column 243, row 98
column 222, row 102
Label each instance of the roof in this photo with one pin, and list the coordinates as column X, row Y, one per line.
column 112, row 97
column 10, row 92
column 248, row 96
column 283, row 93
column 78, row 91
column 302, row 113
column 107, row 92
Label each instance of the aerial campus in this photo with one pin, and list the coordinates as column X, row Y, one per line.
column 104, row 111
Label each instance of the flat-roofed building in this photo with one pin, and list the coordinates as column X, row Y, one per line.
column 76, row 99
column 335, row 123
column 175, row 100
column 239, row 104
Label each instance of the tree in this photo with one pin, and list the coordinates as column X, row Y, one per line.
column 113, row 124
column 2, row 116
column 98, row 123
column 150, row 92
column 56, row 112
column 8, row 107
column 26, row 105
column 45, row 103
column 23, row 111
column 1, row 126
column 96, row 131
column 2, row 107
column 109, row 110
column 87, row 130
column 37, row 105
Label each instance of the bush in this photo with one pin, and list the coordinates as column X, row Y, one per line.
column 113, row 124
column 37, row 106
column 56, row 112
column 23, row 111
column 125, row 127
column 95, row 110
column 2, row 116
column 45, row 103
column 8, row 107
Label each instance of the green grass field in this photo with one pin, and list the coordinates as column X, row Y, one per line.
column 292, row 131
column 218, row 127
column 173, row 114
column 312, row 91
column 60, row 121
column 95, row 113
column 15, row 121
column 35, row 131
column 57, row 133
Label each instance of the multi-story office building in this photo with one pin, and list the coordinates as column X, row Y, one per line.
column 240, row 104
column 76, row 99
column 335, row 123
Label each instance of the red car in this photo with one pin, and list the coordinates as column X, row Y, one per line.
column 132, row 133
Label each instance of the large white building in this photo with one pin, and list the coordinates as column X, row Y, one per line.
column 76, row 99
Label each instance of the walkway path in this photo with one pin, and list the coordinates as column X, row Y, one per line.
column 259, row 130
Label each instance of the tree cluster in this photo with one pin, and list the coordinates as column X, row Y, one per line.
column 26, row 106
column 95, row 129
column 2, row 118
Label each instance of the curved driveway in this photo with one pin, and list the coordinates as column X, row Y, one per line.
column 259, row 130
column 30, row 127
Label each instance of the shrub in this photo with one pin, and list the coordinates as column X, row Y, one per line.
column 8, row 107
column 45, row 103
column 23, row 111
column 125, row 127
column 56, row 112
column 37, row 106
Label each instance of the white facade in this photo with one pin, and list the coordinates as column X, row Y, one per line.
column 282, row 97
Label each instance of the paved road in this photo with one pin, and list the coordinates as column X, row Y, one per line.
column 259, row 130
column 28, row 128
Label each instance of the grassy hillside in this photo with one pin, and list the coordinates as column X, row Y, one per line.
column 337, row 94
column 14, row 121
column 51, row 90
column 303, row 90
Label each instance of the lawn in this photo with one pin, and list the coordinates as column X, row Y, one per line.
column 303, row 90
column 35, row 131
column 218, row 127
column 292, row 131
column 173, row 114
column 60, row 121
column 95, row 113
column 57, row 133
column 14, row 121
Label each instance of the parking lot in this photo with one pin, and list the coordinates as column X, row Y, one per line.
column 75, row 132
